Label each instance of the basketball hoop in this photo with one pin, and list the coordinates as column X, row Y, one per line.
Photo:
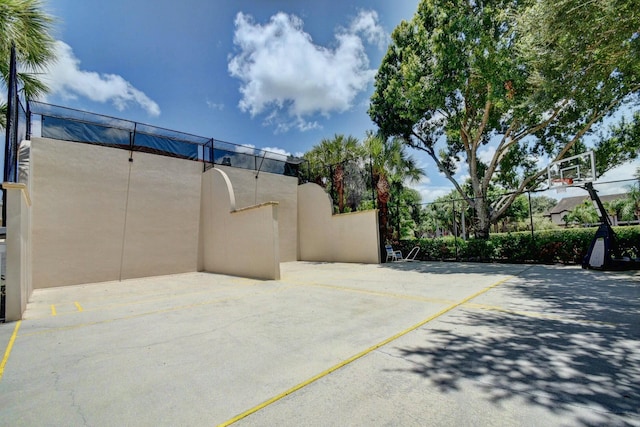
column 561, row 184
column 571, row 171
column 562, row 181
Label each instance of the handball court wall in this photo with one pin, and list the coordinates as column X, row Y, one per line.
column 100, row 214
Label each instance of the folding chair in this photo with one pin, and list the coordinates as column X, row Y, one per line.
column 393, row 255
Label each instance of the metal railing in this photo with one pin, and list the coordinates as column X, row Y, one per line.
column 69, row 124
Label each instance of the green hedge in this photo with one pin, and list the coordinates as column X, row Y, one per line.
column 567, row 246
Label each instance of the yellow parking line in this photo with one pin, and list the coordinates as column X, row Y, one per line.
column 137, row 302
column 378, row 293
column 78, row 306
column 7, row 352
column 357, row 356
column 146, row 313
column 53, row 310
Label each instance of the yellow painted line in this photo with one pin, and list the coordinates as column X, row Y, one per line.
column 537, row 315
column 147, row 313
column 78, row 306
column 119, row 305
column 378, row 293
column 357, row 356
column 53, row 310
column 144, row 301
column 7, row 352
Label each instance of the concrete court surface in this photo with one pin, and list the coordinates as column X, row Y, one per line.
column 401, row 344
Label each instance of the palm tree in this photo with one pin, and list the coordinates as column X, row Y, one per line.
column 25, row 26
column 633, row 200
column 391, row 167
column 327, row 163
column 584, row 213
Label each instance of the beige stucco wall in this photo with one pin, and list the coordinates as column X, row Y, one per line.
column 163, row 214
column 250, row 191
column 97, row 216
column 351, row 237
column 242, row 242
column 18, row 251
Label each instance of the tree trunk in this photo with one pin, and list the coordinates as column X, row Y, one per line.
column 338, row 182
column 384, row 222
column 383, row 192
column 484, row 221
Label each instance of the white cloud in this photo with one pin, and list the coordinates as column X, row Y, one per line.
column 284, row 124
column 461, row 170
column 367, row 23
column 485, row 154
column 624, row 174
column 428, row 191
column 275, row 153
column 66, row 79
column 215, row 105
column 245, row 148
column 431, row 193
column 285, row 75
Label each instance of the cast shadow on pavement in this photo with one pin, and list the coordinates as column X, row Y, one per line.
column 583, row 350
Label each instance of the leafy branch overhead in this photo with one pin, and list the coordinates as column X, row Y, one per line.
column 25, row 25
column 530, row 80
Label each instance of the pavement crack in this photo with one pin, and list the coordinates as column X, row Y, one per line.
column 77, row 407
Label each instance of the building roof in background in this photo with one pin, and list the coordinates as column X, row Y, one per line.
column 568, row 203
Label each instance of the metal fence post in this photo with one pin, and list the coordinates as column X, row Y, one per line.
column 28, row 113
column 132, row 141
column 374, row 200
column 455, row 228
column 11, row 134
column 530, row 215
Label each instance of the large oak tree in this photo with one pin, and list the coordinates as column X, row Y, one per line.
column 526, row 78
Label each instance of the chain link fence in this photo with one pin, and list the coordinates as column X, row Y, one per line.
column 531, row 211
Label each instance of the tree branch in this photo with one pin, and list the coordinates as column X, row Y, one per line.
column 431, row 152
column 533, row 129
column 594, row 118
column 499, row 211
column 485, row 118
column 500, row 150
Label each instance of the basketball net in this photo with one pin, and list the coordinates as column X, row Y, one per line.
column 561, row 184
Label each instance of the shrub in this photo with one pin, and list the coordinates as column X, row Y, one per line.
column 629, row 240
column 479, row 250
column 514, row 247
column 567, row 246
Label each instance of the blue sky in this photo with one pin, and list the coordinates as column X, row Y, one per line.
column 271, row 73
column 275, row 74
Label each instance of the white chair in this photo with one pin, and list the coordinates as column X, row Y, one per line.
column 393, row 255
column 413, row 253
column 397, row 255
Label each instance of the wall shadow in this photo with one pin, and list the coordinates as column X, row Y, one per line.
column 445, row 267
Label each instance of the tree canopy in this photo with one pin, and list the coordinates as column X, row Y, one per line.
column 368, row 174
column 329, row 162
column 521, row 80
column 391, row 167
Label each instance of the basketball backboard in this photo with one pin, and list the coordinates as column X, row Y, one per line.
column 574, row 170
